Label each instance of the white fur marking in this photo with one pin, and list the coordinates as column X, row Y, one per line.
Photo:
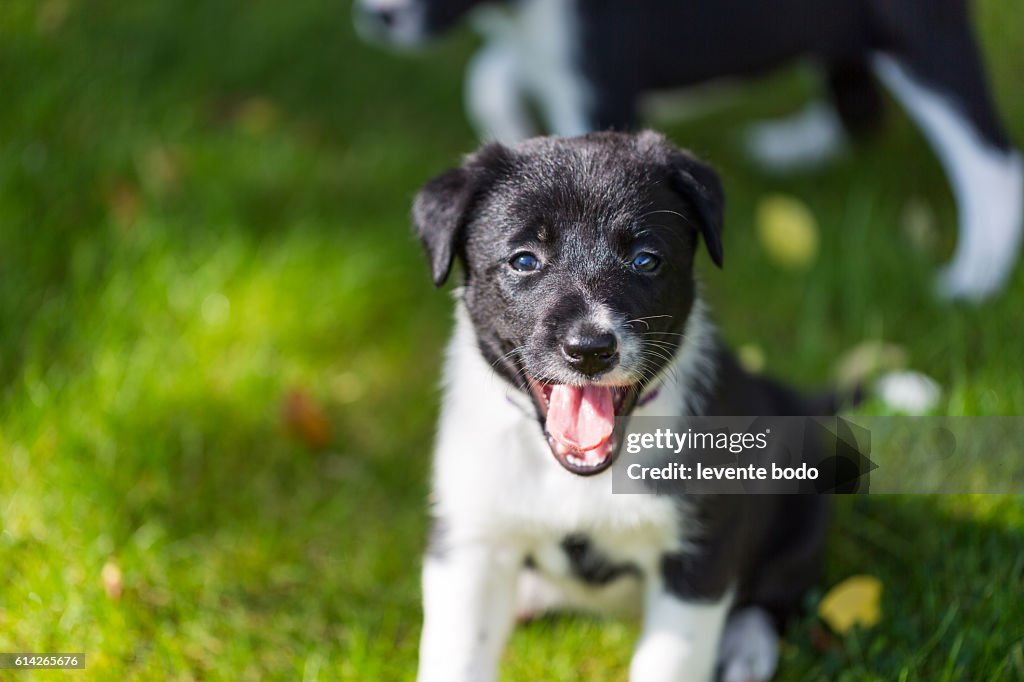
column 749, row 651
column 988, row 185
column 494, row 96
column 407, row 29
column 806, row 139
column 540, row 36
column 386, row 4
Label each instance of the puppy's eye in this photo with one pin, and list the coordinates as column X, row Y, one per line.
column 645, row 262
column 524, row 261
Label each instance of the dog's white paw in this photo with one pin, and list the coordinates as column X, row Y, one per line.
column 749, row 651
column 809, row 138
column 908, row 392
column 960, row 284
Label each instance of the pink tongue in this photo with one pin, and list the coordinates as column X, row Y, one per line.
column 581, row 416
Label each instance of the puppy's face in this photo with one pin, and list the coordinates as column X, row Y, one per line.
column 578, row 270
column 408, row 22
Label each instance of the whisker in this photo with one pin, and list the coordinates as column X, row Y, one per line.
column 665, row 210
column 507, row 355
column 663, row 345
column 644, row 320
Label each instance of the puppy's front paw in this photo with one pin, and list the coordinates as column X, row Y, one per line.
column 807, row 139
column 749, row 651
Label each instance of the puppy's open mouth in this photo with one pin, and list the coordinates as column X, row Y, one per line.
column 579, row 422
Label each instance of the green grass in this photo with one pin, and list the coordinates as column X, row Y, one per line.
column 203, row 207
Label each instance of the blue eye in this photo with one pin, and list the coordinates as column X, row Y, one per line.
column 525, row 262
column 645, row 262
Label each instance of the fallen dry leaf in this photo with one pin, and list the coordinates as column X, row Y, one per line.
column 112, row 580
column 854, row 601
column 305, row 419
column 788, row 231
column 822, row 640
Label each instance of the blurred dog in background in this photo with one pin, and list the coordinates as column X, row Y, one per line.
column 584, row 64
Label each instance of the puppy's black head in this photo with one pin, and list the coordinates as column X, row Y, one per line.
column 409, row 22
column 577, row 258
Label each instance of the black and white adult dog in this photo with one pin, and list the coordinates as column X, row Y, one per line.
column 578, row 304
column 585, row 64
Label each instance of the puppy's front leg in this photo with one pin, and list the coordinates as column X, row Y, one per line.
column 679, row 642
column 468, row 602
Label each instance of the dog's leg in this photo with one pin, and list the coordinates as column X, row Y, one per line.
column 954, row 112
column 495, row 96
column 812, row 136
column 822, row 129
column 564, row 95
column 809, row 138
column 749, row 651
column 468, row 606
column 679, row 642
column 857, row 96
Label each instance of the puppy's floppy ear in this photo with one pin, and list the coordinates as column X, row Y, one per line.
column 699, row 185
column 437, row 215
column 442, row 207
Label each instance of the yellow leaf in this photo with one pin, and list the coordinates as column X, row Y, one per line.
column 854, row 601
column 751, row 357
column 788, row 231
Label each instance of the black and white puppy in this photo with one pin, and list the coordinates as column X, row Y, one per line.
column 586, row 63
column 578, row 304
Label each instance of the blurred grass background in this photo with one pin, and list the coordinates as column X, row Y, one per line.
column 206, row 268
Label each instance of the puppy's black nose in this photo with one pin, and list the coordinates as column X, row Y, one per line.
column 591, row 353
